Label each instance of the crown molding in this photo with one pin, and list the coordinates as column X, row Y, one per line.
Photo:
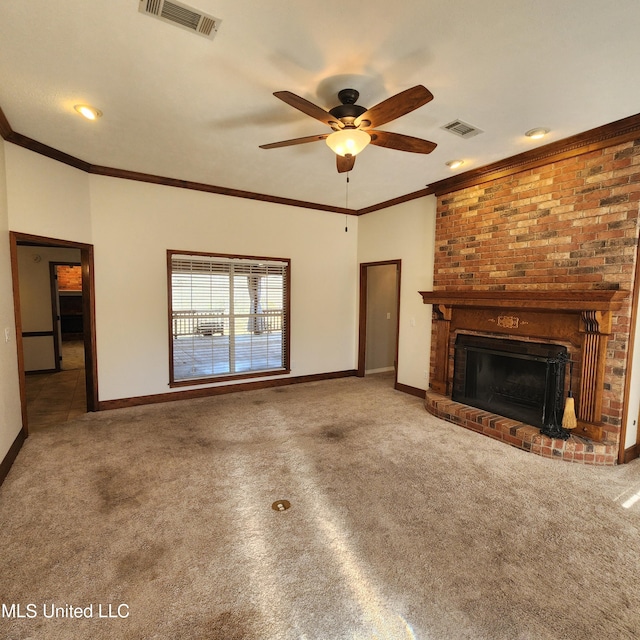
column 10, row 135
column 5, row 127
column 601, row 137
column 210, row 188
column 394, row 201
column 623, row 130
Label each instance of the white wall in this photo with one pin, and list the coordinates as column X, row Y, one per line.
column 634, row 393
column 407, row 232
column 47, row 198
column 135, row 223
column 10, row 413
column 132, row 224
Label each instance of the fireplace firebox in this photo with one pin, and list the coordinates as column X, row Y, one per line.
column 517, row 379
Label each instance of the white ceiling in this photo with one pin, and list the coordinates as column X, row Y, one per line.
column 181, row 106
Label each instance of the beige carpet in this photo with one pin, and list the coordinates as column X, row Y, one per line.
column 401, row 527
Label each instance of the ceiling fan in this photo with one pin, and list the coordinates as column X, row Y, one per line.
column 354, row 126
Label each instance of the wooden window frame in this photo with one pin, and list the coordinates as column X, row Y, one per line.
column 286, row 319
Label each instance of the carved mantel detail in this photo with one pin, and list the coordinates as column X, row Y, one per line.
column 508, row 322
column 596, row 328
column 442, row 321
column 582, row 318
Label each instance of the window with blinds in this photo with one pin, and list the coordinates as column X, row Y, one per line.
column 228, row 316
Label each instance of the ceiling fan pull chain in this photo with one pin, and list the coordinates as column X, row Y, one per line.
column 346, row 215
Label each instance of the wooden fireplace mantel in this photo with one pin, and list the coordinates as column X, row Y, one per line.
column 561, row 300
column 582, row 318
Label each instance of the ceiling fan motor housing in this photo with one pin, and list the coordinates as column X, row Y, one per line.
column 348, row 111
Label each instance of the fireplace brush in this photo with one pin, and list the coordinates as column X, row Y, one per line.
column 569, row 420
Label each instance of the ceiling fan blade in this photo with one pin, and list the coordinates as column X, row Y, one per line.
column 309, row 108
column 401, row 142
column 394, row 107
column 345, row 164
column 289, row 143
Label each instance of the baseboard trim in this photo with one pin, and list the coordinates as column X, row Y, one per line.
column 12, row 454
column 631, row 453
column 190, row 394
column 412, row 391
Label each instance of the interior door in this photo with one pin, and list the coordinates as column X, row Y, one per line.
column 379, row 317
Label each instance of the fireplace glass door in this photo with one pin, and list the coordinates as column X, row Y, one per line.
column 516, row 379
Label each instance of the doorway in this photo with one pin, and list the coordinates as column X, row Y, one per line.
column 379, row 318
column 39, row 335
column 67, row 312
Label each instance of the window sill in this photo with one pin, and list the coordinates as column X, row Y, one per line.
column 228, row 377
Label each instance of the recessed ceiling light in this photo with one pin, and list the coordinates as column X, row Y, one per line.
column 536, row 134
column 89, row 112
column 454, row 164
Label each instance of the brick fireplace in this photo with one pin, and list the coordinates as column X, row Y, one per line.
column 579, row 321
column 545, row 254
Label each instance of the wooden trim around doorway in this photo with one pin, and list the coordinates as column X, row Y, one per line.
column 16, row 239
column 362, row 321
column 12, row 454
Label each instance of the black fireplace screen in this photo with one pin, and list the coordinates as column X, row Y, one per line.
column 512, row 378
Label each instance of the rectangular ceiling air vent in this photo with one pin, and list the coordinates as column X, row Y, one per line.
column 181, row 16
column 462, row 129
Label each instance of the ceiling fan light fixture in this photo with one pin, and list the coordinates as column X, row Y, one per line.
column 536, row 134
column 454, row 164
column 87, row 111
column 348, row 142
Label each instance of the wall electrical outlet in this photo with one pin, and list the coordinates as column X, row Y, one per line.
column 7, row 334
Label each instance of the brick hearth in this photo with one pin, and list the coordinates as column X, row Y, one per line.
column 522, row 436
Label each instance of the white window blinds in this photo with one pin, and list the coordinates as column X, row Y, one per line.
column 229, row 316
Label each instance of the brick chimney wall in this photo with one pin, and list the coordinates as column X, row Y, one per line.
column 69, row 278
column 572, row 224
